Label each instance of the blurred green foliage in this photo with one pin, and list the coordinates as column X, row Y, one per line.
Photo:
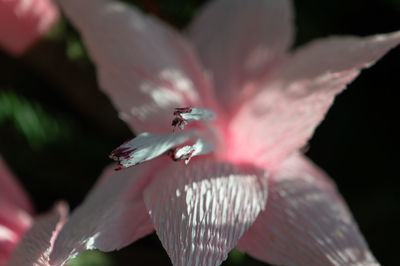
column 236, row 257
column 91, row 258
column 31, row 121
column 75, row 49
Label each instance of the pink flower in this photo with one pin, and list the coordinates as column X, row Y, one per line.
column 249, row 186
column 22, row 22
column 25, row 240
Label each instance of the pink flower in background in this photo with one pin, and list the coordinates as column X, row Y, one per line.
column 22, row 22
column 25, row 240
column 250, row 186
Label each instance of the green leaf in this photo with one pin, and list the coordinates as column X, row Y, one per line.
column 91, row 258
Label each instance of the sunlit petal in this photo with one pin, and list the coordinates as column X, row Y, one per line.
column 145, row 67
column 282, row 117
column 241, row 41
column 306, row 222
column 112, row 216
column 201, row 210
column 37, row 243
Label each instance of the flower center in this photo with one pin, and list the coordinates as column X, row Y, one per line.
column 147, row 146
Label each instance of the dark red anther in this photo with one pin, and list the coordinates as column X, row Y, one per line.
column 171, row 153
column 184, row 110
column 119, row 167
column 179, row 121
column 122, row 152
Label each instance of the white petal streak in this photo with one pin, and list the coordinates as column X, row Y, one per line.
column 201, row 210
column 147, row 146
column 306, row 222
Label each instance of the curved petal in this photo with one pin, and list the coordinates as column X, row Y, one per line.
column 240, row 41
column 13, row 218
column 13, row 223
column 11, row 192
column 306, row 222
column 37, row 243
column 8, row 240
column 112, row 216
column 22, row 22
column 283, row 116
column 201, row 210
column 145, row 67
column 15, row 212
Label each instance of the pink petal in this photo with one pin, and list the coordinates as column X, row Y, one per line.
column 112, row 216
column 15, row 210
column 11, row 192
column 13, row 218
column 201, row 210
column 145, row 67
column 22, row 22
column 37, row 243
column 7, row 244
column 283, row 116
column 13, row 224
column 240, row 41
column 306, row 222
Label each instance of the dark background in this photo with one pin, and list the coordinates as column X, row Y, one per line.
column 57, row 128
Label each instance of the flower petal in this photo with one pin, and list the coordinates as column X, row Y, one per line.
column 283, row 116
column 240, row 41
column 8, row 240
column 15, row 212
column 306, row 222
column 112, row 216
column 13, row 223
column 201, row 210
column 11, row 192
column 37, row 243
column 14, row 219
column 147, row 146
column 145, row 67
column 22, row 22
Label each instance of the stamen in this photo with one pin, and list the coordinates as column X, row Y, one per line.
column 147, row 146
column 185, row 115
column 187, row 152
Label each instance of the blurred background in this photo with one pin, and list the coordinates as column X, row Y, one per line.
column 57, row 128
